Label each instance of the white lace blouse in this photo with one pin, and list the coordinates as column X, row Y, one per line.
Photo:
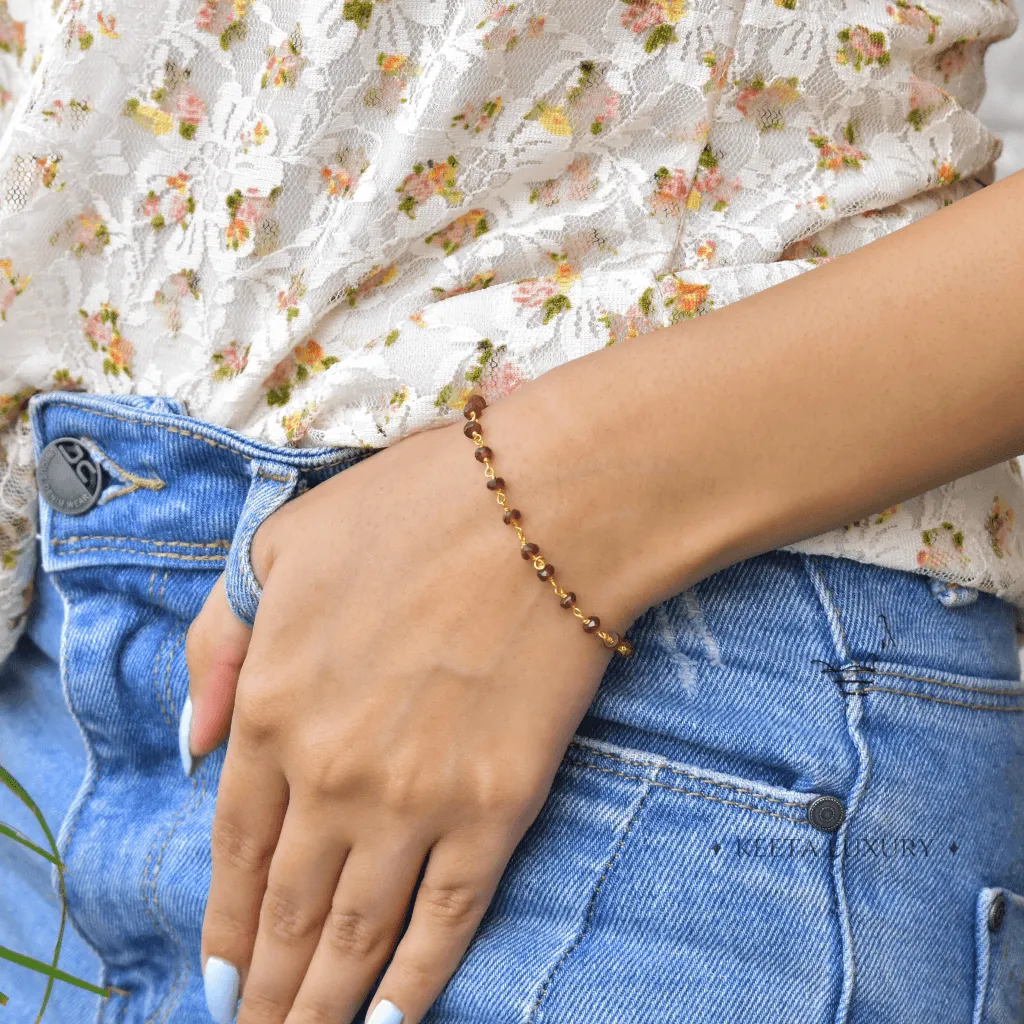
column 330, row 221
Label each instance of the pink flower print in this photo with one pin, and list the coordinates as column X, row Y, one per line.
column 480, row 281
column 76, row 111
column 671, row 187
column 551, row 293
column 296, row 424
column 11, row 286
column 252, row 214
column 718, row 70
column 177, row 287
column 955, row 58
column 188, row 107
column 656, row 18
column 476, row 119
column 706, row 250
column 861, row 47
column 590, row 106
column 925, row 99
column 914, row 16
column 391, row 88
column 230, row 361
column 103, row 335
column 12, row 33
column 342, row 176
column 108, row 25
column 575, row 183
column 224, row 19
column 378, row 277
column 710, row 184
column 946, row 173
column 999, row 526
column 637, row 320
column 838, row 154
column 88, row 233
column 285, row 63
column 288, row 298
column 428, row 180
column 501, row 381
column 763, row 103
column 304, row 361
column 454, row 235
column 942, row 544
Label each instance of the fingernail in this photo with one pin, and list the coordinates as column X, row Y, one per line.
column 184, row 728
column 220, row 980
column 386, row 1013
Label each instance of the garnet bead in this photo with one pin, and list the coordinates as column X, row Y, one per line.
column 625, row 648
column 473, row 427
column 513, row 515
column 474, row 404
column 592, row 625
column 496, row 483
column 569, row 600
column 613, row 639
column 547, row 573
column 530, row 550
column 483, row 452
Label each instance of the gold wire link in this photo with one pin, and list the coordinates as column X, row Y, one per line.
column 623, row 647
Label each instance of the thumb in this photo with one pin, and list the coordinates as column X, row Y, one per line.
column 215, row 647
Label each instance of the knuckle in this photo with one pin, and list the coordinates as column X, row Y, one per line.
column 258, row 714
column 261, row 1005
column 352, row 933
column 454, row 906
column 285, row 916
column 224, row 934
column 235, row 847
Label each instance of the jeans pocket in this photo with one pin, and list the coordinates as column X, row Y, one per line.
column 273, row 484
column 999, row 930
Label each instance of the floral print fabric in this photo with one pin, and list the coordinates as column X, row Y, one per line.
column 328, row 222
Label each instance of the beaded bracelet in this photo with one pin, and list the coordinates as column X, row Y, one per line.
column 475, row 405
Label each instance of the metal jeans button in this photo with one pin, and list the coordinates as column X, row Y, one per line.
column 68, row 478
column 996, row 912
column 826, row 813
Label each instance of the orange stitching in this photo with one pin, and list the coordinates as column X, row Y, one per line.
column 690, row 775
column 145, row 540
column 152, row 554
column 1018, row 692
column 937, row 700
column 687, row 792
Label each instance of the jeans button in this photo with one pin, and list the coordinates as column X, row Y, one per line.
column 996, row 912
column 826, row 813
column 68, row 478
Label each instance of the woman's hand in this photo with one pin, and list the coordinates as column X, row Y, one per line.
column 407, row 693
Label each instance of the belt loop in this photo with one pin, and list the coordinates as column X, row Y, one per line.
column 273, row 484
column 952, row 595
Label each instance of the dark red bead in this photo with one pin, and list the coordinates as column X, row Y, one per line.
column 592, row 625
column 496, row 483
column 625, row 648
column 513, row 515
column 547, row 573
column 569, row 600
column 529, row 550
column 474, row 404
column 483, row 452
column 473, row 427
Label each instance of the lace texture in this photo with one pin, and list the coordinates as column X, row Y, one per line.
column 329, row 221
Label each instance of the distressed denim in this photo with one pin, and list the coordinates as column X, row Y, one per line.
column 672, row 875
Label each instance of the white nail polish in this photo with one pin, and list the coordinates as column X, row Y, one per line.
column 184, row 728
column 386, row 1013
column 220, row 982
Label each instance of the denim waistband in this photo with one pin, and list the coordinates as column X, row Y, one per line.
column 182, row 493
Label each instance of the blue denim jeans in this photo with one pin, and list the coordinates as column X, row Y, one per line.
column 677, row 873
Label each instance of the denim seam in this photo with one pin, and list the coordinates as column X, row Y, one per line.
column 588, row 916
column 132, row 551
column 178, row 430
column 853, row 709
column 222, row 543
column 688, row 775
column 180, row 977
column 688, row 792
column 158, row 664
column 1017, row 692
column 936, row 700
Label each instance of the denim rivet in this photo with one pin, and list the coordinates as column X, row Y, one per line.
column 68, row 479
column 826, row 813
column 996, row 913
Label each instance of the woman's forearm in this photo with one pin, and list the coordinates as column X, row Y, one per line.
column 647, row 465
